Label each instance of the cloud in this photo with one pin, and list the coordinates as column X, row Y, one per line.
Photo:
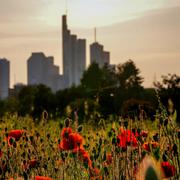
column 156, row 31
column 20, row 10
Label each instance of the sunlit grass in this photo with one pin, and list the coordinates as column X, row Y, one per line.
column 113, row 152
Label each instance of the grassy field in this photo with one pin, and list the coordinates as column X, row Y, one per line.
column 65, row 150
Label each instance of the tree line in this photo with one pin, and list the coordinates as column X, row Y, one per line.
column 103, row 92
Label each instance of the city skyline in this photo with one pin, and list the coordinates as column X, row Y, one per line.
column 148, row 35
column 41, row 69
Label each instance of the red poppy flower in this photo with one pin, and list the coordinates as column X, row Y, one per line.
column 86, row 158
column 43, row 178
column 71, row 142
column 144, row 133
column 95, row 174
column 168, row 169
column 76, row 140
column 64, row 144
column 127, row 138
column 146, row 146
column 83, row 156
column 65, row 132
column 16, row 134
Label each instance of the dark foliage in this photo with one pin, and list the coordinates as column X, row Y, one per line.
column 107, row 90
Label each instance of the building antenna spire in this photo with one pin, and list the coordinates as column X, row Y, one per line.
column 66, row 11
column 95, row 34
column 14, row 79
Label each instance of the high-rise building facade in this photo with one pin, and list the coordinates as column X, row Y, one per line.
column 4, row 78
column 74, row 56
column 41, row 70
column 98, row 55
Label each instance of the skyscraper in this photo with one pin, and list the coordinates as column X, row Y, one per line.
column 4, row 78
column 97, row 53
column 74, row 56
column 41, row 70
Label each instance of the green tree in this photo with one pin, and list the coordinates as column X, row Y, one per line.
column 170, row 81
column 43, row 101
column 33, row 100
column 100, row 84
column 92, row 77
column 66, row 96
column 11, row 104
column 109, row 78
column 2, row 108
column 169, row 89
column 26, row 100
column 129, row 75
column 129, row 84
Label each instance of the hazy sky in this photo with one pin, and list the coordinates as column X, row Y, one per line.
column 146, row 31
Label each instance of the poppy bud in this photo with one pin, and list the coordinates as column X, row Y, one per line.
column 4, row 143
column 126, row 124
column 94, row 150
column 11, row 140
column 106, row 171
column 6, row 134
column 79, row 128
column 100, row 141
column 114, row 140
column 117, row 150
column 45, row 166
column 92, row 158
column 41, row 140
column 164, row 157
column 66, row 154
column 166, row 122
column 139, row 131
column 25, row 175
column 85, row 165
column 31, row 138
column 134, row 130
column 37, row 134
column 62, row 157
column 109, row 134
column 156, row 137
column 14, row 144
column 175, row 149
column 23, row 155
column 179, row 134
column 48, row 136
column 104, row 156
column 67, row 122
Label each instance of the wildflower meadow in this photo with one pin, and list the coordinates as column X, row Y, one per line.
column 125, row 148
